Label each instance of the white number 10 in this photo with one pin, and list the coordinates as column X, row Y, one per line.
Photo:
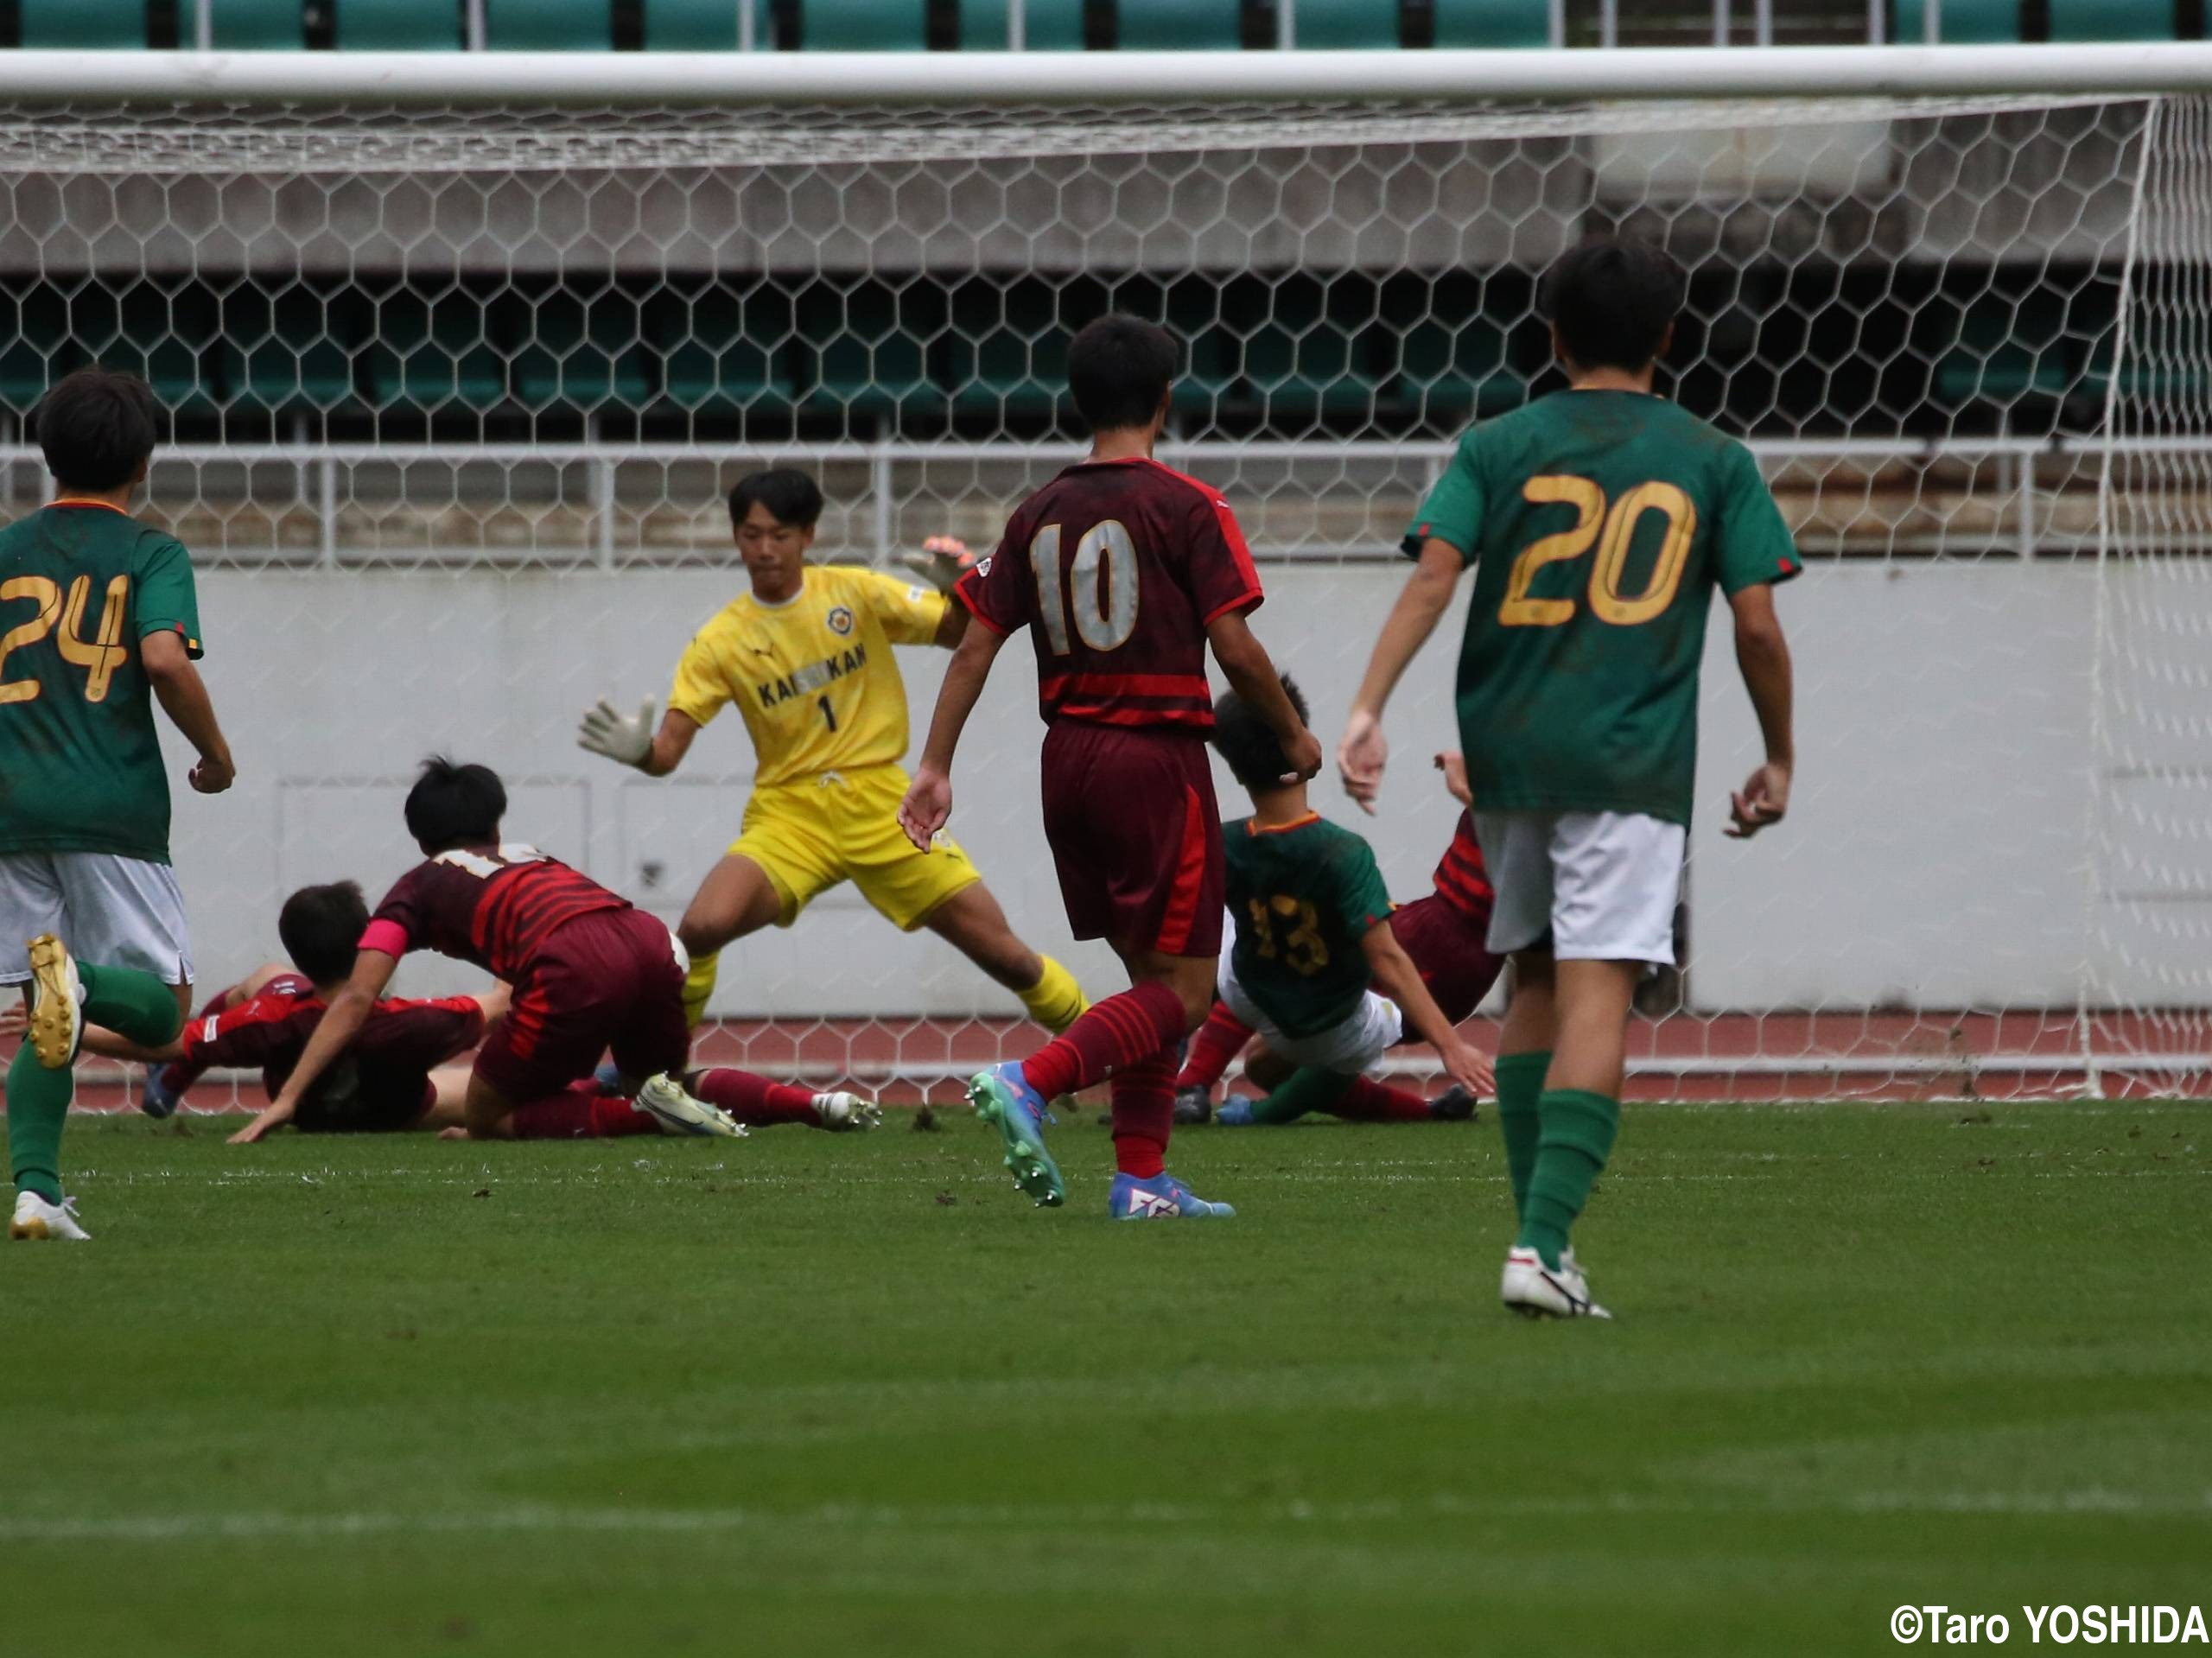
column 1104, row 571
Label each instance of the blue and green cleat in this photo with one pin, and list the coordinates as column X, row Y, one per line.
column 1163, row 1198
column 1003, row 1098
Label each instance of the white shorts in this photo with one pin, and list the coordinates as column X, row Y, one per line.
column 1348, row 1048
column 1603, row 885
column 111, row 911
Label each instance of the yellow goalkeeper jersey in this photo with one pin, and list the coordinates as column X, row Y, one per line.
column 813, row 677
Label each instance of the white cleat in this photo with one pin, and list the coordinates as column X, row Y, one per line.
column 847, row 1113
column 1535, row 1290
column 57, row 1003
column 35, row 1218
column 664, row 1097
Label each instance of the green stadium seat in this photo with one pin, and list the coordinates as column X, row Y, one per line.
column 84, row 25
column 1208, row 381
column 548, row 26
column 1347, row 25
column 2111, row 20
column 252, row 25
column 1963, row 23
column 1007, row 352
column 1302, row 363
column 36, row 349
column 701, row 25
column 399, row 26
column 2006, row 351
column 864, row 26
column 721, row 351
column 581, row 354
column 1180, row 25
column 431, row 354
column 290, row 354
column 1447, row 376
column 1047, row 25
column 869, row 349
column 169, row 338
column 1494, row 25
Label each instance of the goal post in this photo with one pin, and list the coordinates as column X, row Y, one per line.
column 463, row 353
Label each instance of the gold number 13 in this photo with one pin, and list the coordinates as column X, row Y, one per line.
column 1616, row 528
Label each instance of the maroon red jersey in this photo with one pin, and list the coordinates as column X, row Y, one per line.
column 270, row 1030
column 1115, row 567
column 1463, row 880
column 493, row 905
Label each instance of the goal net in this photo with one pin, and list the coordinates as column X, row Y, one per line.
column 459, row 390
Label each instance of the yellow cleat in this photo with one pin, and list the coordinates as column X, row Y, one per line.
column 57, row 1010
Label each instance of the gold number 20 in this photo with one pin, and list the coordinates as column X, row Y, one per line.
column 1612, row 531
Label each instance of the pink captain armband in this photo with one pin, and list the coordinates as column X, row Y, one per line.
column 387, row 936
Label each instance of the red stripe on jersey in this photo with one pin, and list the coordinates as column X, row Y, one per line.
column 1162, row 685
column 1462, row 878
column 1231, row 532
column 1198, row 719
column 1189, row 878
column 964, row 591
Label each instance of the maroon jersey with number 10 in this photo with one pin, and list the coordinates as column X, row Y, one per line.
column 493, row 905
column 1115, row 567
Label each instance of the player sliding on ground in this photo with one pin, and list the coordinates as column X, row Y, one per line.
column 97, row 621
column 1123, row 572
column 806, row 658
column 1440, row 935
column 1598, row 520
column 1313, row 944
column 591, row 975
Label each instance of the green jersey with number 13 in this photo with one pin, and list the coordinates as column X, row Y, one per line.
column 81, row 763
column 1599, row 524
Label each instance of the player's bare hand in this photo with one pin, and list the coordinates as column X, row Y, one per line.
column 623, row 738
column 253, row 1131
column 1760, row 803
column 1470, row 1067
column 1361, row 756
column 942, row 561
column 1304, row 754
column 212, row 777
column 1453, row 765
column 927, row 805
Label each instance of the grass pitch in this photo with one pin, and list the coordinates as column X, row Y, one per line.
column 815, row 1395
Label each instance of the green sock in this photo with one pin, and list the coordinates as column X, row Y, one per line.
column 1308, row 1090
column 1578, row 1138
column 1520, row 1085
column 38, row 1104
column 133, row 1005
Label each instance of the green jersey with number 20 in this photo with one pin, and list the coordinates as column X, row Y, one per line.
column 81, row 763
column 1599, row 524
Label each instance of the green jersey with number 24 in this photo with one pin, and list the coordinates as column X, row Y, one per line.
column 80, row 764
column 1599, row 524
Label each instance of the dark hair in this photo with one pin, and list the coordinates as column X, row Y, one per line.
column 453, row 805
column 1248, row 743
column 1119, row 368
column 790, row 495
column 97, row 427
column 321, row 928
column 1612, row 301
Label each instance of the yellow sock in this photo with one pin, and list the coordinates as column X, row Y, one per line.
column 1056, row 1000
column 698, row 985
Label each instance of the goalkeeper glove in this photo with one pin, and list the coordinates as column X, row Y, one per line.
column 618, row 736
column 942, row 561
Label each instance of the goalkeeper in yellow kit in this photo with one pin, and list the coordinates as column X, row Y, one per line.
column 806, row 658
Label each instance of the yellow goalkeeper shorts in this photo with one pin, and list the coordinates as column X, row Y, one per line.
column 807, row 836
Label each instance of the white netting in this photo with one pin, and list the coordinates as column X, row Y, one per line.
column 458, row 395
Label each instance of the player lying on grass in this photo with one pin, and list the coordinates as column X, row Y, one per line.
column 590, row 974
column 806, row 658
column 98, row 621
column 1598, row 521
column 1123, row 572
column 1442, row 935
column 1313, row 945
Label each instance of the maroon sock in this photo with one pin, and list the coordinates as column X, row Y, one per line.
column 1219, row 1040
column 753, row 1100
column 1369, row 1101
column 1116, row 1032
column 1144, row 1113
column 574, row 1116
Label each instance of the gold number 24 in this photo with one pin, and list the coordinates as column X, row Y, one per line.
column 1619, row 528
column 99, row 656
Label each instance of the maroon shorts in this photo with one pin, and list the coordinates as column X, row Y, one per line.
column 382, row 1082
column 1135, row 836
column 606, row 983
column 1448, row 951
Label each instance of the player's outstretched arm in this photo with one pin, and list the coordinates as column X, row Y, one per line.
column 341, row 1023
column 929, row 798
column 1762, row 656
column 1251, row 674
column 183, row 696
column 1396, row 977
column 630, row 740
column 1363, row 751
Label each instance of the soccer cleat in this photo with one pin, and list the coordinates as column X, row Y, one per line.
column 1193, row 1105
column 1535, row 1290
column 1235, row 1112
column 158, row 1099
column 1454, row 1104
column 57, row 1006
column 609, row 1079
column 35, row 1218
column 664, row 1098
column 1003, row 1098
column 1163, row 1198
column 847, row 1113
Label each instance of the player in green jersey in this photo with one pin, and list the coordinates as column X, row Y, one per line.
column 1312, row 939
column 98, row 621
column 1598, row 521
